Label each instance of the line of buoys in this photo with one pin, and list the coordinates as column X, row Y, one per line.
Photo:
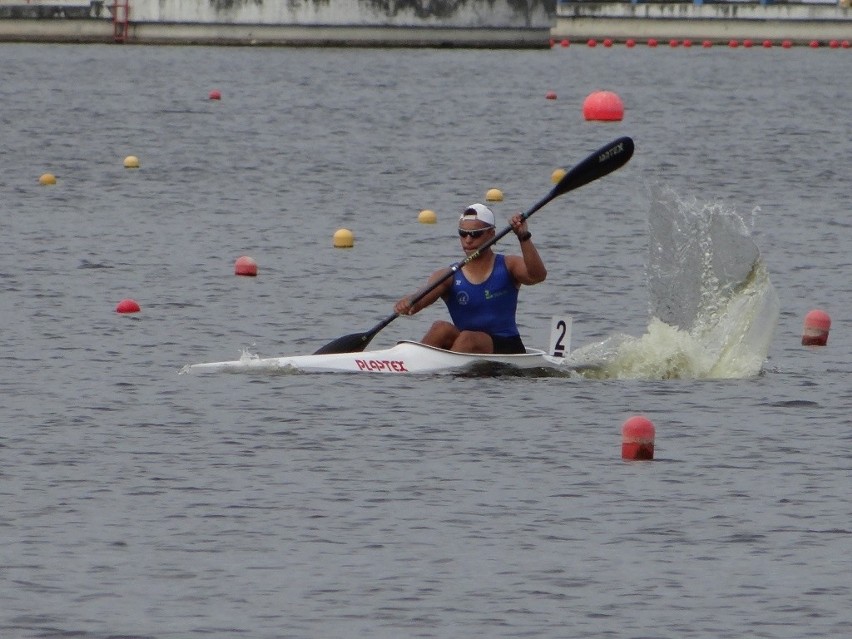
column 343, row 238
column 603, row 105
column 817, row 325
column 127, row 306
column 637, row 438
column 246, row 266
column 746, row 43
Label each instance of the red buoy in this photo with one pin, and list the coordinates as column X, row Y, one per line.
column 603, row 105
column 245, row 266
column 786, row 44
column 817, row 325
column 834, row 44
column 814, row 44
column 630, row 43
column 748, row 44
column 637, row 438
column 844, row 44
column 733, row 44
column 652, row 42
column 565, row 42
column 706, row 44
column 550, row 95
column 215, row 95
column 592, row 42
column 607, row 43
column 127, row 306
column 687, row 43
column 674, row 44
column 767, row 44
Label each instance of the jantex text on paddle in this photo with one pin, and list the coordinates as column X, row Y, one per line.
column 619, row 148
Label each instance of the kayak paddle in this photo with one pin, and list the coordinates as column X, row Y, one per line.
column 602, row 162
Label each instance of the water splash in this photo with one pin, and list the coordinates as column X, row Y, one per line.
column 713, row 306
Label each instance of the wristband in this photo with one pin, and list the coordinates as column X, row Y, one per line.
column 525, row 236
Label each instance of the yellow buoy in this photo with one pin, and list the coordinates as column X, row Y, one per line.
column 427, row 217
column 494, row 195
column 131, row 162
column 557, row 175
column 343, row 238
column 47, row 179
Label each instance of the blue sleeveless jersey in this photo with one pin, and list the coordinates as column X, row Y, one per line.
column 488, row 307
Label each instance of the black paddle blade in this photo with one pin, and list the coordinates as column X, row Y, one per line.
column 602, row 162
column 354, row 343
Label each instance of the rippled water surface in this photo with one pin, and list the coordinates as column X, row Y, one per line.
column 135, row 502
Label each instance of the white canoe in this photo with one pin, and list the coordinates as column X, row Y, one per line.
column 405, row 357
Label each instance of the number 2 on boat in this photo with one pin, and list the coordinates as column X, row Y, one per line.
column 560, row 336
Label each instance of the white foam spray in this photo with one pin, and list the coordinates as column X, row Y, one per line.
column 713, row 307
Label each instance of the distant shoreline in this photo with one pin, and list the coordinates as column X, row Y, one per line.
column 574, row 22
column 89, row 31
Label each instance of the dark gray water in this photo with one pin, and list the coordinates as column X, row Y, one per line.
column 135, row 502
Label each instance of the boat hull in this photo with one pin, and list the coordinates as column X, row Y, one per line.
column 404, row 358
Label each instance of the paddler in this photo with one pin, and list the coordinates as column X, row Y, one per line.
column 482, row 296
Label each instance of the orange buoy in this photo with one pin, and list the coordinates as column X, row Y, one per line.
column 637, row 438
column 245, row 266
column 127, row 306
column 603, row 105
column 550, row 95
column 817, row 325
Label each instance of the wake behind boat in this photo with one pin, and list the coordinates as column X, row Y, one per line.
column 405, row 357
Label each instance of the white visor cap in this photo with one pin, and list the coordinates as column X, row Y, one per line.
column 478, row 212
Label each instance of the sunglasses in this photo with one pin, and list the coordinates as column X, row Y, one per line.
column 474, row 233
